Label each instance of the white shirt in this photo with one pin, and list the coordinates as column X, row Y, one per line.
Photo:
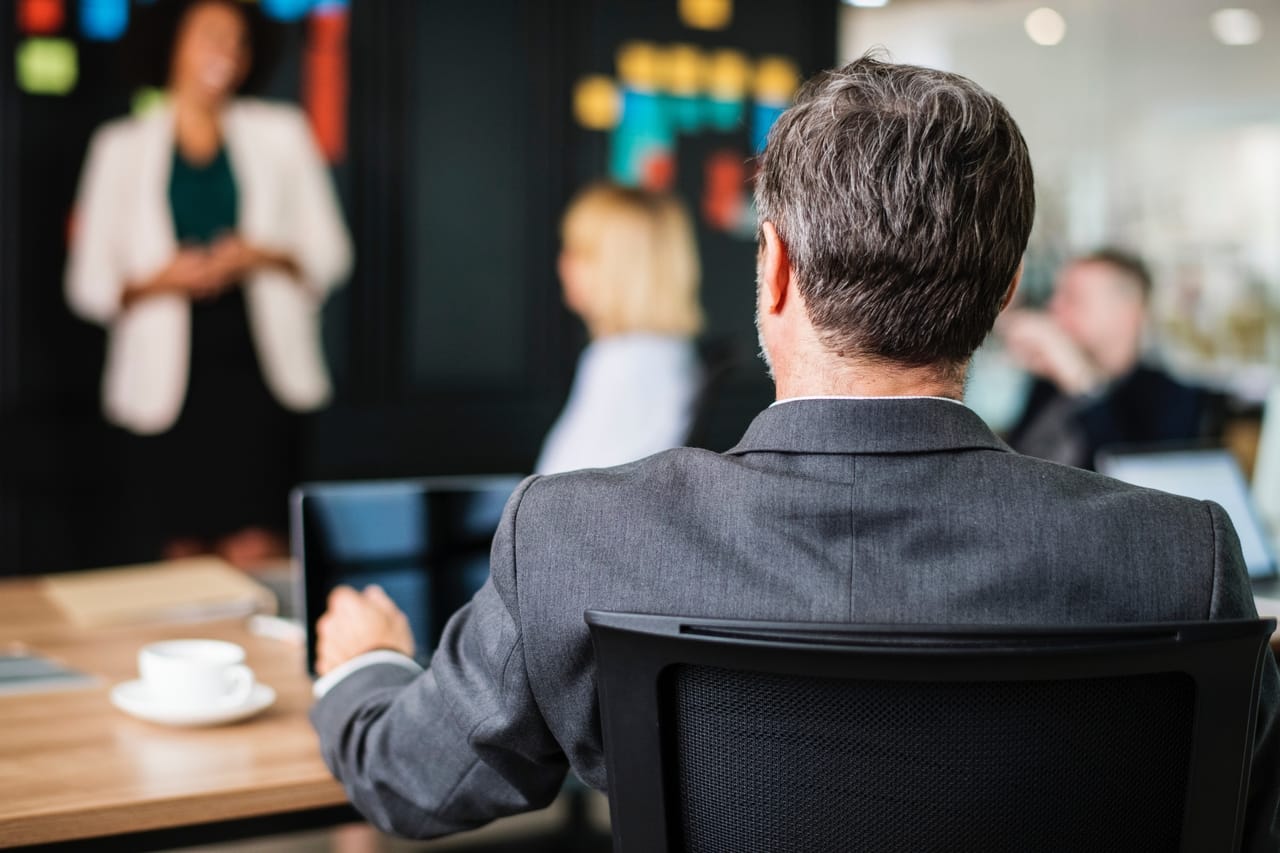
column 632, row 396
column 842, row 397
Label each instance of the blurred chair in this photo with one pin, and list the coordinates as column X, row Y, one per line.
column 730, row 735
column 720, row 359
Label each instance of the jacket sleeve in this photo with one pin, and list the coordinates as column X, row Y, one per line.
column 320, row 243
column 95, row 277
column 463, row 742
column 1232, row 598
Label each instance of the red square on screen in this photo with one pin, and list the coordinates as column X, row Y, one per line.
column 41, row 17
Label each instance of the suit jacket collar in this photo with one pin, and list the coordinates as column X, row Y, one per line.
column 879, row 425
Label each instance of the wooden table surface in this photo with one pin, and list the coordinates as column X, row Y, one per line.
column 72, row 766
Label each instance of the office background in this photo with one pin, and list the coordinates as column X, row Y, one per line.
column 450, row 346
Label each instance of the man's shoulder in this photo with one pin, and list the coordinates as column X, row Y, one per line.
column 1057, row 483
column 682, row 468
column 1006, row 488
column 659, row 471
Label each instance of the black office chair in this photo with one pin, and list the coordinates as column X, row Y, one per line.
column 760, row 736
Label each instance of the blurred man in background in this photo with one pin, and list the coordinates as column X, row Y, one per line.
column 1092, row 389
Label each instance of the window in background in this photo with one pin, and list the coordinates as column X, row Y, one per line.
column 1154, row 126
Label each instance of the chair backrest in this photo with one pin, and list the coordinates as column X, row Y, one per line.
column 730, row 735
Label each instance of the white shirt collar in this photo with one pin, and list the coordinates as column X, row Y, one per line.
column 839, row 397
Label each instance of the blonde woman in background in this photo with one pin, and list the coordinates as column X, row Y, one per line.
column 629, row 269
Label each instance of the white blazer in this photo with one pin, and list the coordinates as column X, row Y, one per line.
column 124, row 232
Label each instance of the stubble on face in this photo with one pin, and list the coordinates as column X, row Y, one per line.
column 764, row 351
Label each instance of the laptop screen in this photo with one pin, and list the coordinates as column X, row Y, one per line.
column 426, row 542
column 1211, row 475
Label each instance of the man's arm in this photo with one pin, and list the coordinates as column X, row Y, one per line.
column 1232, row 598
column 458, row 745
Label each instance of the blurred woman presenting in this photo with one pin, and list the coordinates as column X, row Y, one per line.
column 207, row 236
column 629, row 269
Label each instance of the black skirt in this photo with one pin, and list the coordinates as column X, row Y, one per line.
column 231, row 458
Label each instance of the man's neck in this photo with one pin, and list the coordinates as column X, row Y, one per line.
column 856, row 378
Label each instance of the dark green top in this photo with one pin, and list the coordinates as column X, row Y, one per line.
column 203, row 199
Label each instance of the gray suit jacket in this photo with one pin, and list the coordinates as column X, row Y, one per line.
column 859, row 511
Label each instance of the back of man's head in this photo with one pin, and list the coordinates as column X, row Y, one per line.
column 904, row 197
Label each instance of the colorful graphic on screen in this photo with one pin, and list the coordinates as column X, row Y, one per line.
column 46, row 66
column 324, row 78
column 705, row 14
column 287, row 10
column 41, row 17
column 103, row 20
column 662, row 91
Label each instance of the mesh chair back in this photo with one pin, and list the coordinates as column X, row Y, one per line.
column 739, row 736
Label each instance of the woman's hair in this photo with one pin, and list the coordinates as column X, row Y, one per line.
column 639, row 259
column 147, row 48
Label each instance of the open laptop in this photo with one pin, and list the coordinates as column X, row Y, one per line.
column 425, row 541
column 1204, row 474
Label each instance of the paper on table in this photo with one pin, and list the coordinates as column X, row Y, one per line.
column 195, row 589
column 22, row 671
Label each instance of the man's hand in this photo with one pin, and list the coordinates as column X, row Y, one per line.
column 1041, row 347
column 359, row 622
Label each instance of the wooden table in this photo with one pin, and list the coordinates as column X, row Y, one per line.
column 73, row 767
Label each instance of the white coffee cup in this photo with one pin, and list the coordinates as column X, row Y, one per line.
column 195, row 673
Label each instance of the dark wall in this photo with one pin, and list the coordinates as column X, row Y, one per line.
column 450, row 346
column 9, row 349
column 51, row 437
column 460, row 349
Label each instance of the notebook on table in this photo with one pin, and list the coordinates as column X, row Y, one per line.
column 188, row 590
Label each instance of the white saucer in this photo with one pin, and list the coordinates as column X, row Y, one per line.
column 132, row 698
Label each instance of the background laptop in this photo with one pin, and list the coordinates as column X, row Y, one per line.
column 1205, row 474
column 426, row 542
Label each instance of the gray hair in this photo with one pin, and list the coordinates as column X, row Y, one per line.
column 904, row 197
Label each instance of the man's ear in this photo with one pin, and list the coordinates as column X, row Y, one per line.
column 1013, row 287
column 775, row 269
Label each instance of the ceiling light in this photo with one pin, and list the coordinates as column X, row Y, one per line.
column 1045, row 26
column 866, row 4
column 1236, row 27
